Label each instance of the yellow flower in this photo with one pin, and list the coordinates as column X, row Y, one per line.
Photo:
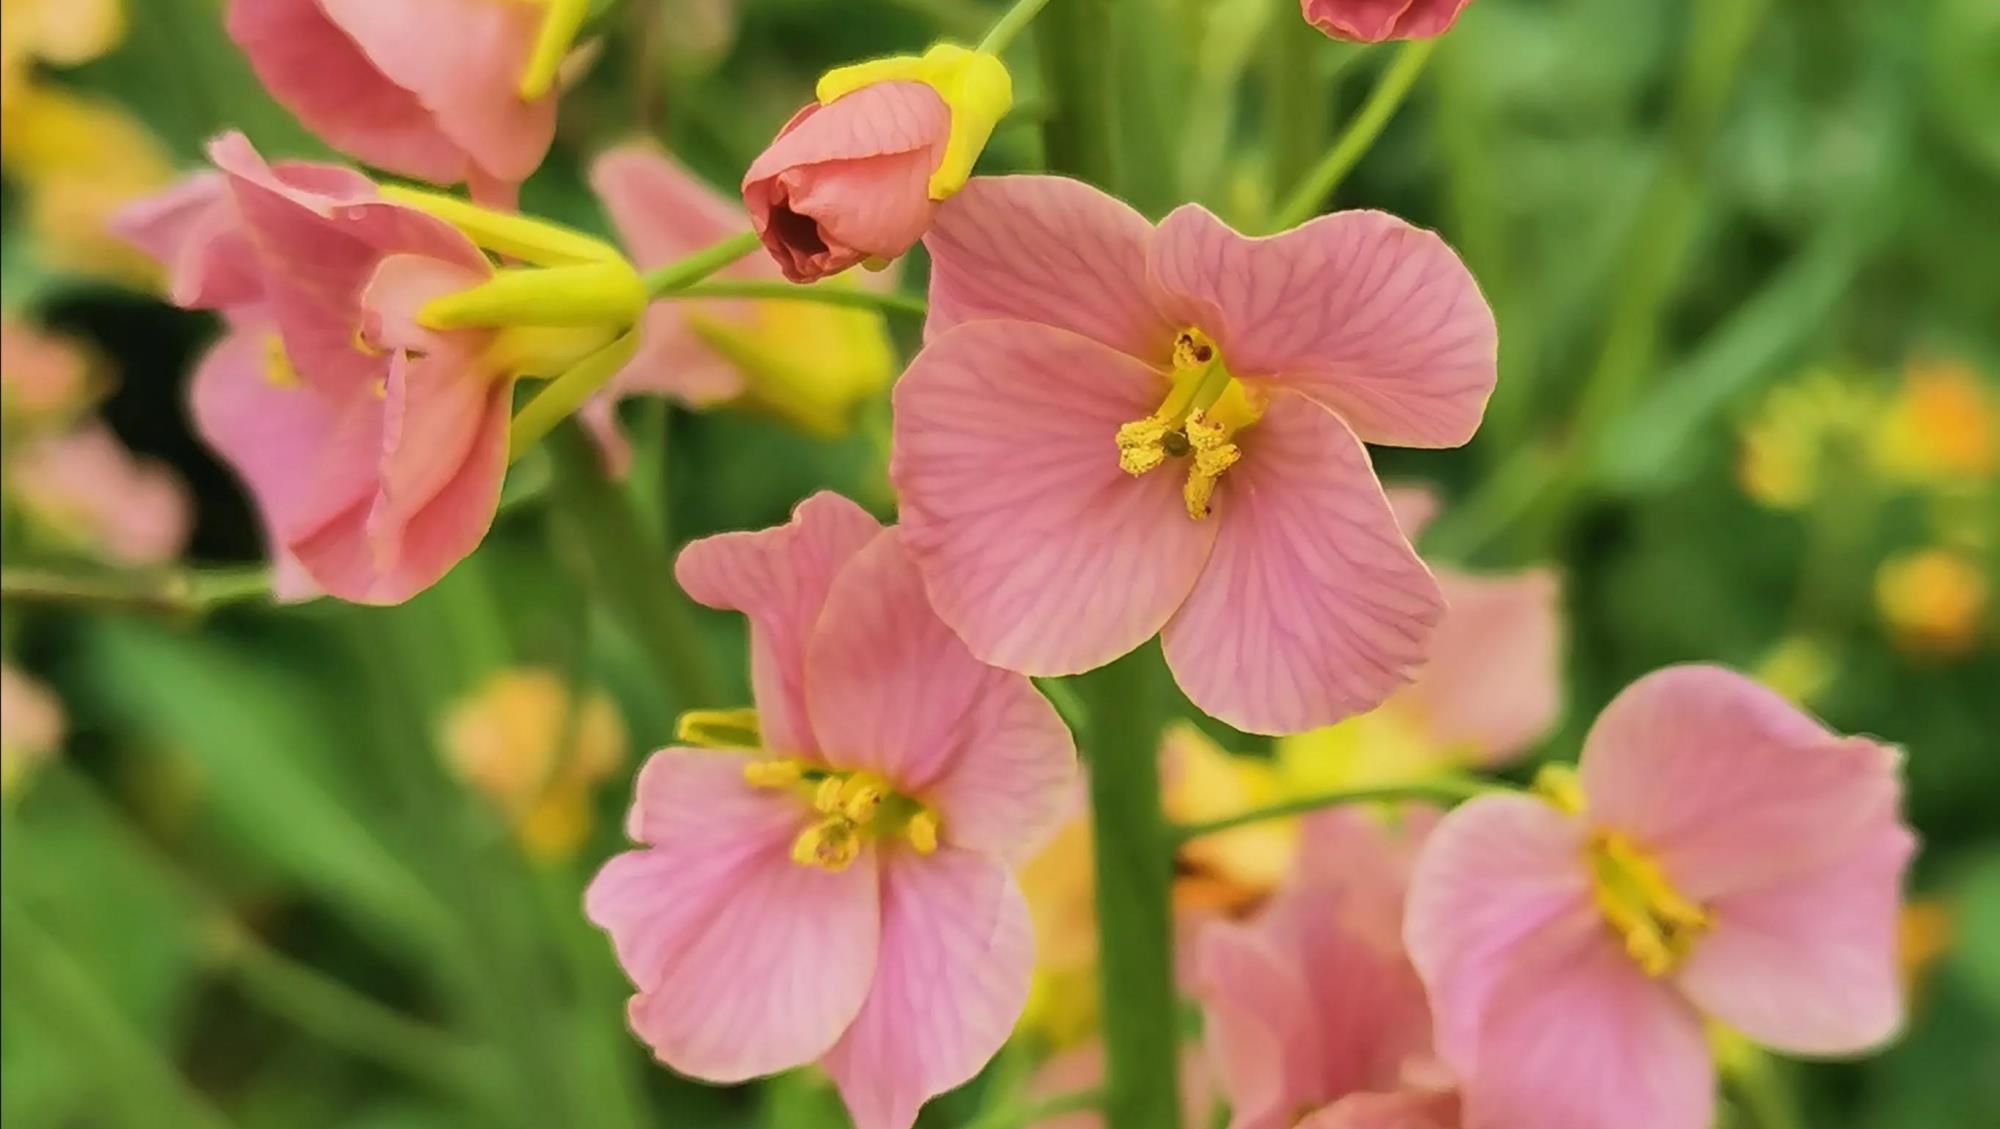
column 1932, row 601
column 1062, row 999
column 1233, row 869
column 1799, row 667
column 810, row 364
column 1943, row 427
column 1924, row 934
column 79, row 160
column 521, row 742
column 1800, row 431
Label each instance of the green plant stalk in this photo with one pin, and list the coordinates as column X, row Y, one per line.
column 693, row 268
column 1078, row 63
column 1010, row 24
column 888, row 302
column 628, row 567
column 189, row 592
column 1359, row 136
column 1445, row 789
column 1134, row 858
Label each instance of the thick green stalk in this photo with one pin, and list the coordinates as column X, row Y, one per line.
column 187, row 592
column 701, row 264
column 1135, row 862
column 626, row 566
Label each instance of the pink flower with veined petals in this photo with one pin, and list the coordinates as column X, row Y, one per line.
column 1372, row 21
column 373, row 447
column 1115, row 430
column 1313, row 1015
column 842, row 894
column 84, row 489
column 1718, row 854
column 424, row 88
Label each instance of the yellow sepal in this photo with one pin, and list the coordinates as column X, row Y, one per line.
column 587, row 294
column 720, row 729
column 975, row 86
column 561, row 20
column 505, row 233
column 561, row 397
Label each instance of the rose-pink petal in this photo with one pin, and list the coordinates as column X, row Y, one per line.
column 779, row 578
column 891, row 689
column 1493, row 684
column 1045, row 249
column 1370, row 316
column 1729, row 785
column 1808, row 964
column 1042, row 554
column 1414, row 1109
column 1260, row 1024
column 191, row 229
column 440, row 424
column 1312, row 607
column 745, row 962
column 956, row 954
column 1372, row 21
column 1415, row 507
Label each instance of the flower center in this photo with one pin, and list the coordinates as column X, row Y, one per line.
column 854, row 807
column 1204, row 409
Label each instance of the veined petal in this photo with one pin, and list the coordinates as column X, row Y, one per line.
column 1312, row 607
column 891, row 689
column 745, row 962
column 1493, row 684
column 1049, row 250
column 1412, row 1109
column 1376, row 319
column 778, row 578
column 1260, row 1026
column 191, row 229
column 956, row 953
column 1038, row 550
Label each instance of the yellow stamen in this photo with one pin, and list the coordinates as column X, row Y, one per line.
column 1142, row 445
column 826, row 798
column 506, row 233
column 1658, row 925
column 1213, row 454
column 830, row 845
column 773, row 774
column 922, row 832
column 719, row 729
column 860, row 797
column 1203, row 410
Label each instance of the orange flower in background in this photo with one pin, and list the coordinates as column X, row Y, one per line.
column 1943, row 427
column 45, row 379
column 1933, row 602
column 527, row 744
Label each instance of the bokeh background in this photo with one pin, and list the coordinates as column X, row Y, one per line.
column 321, row 865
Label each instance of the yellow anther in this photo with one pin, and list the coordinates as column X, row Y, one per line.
column 829, row 845
column 1142, row 445
column 561, row 20
column 1193, row 349
column 1557, row 784
column 361, row 344
column 826, row 798
column 773, row 774
column 922, row 832
column 380, row 388
column 1656, row 922
column 1213, row 454
column 720, row 729
column 860, row 796
column 278, row 370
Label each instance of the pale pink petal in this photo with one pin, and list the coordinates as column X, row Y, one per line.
column 779, row 578
column 1496, row 874
column 1415, row 506
column 192, row 230
column 1493, row 685
column 1376, row 319
column 1728, row 785
column 121, row 508
column 1414, row 1109
column 324, row 78
column 745, row 962
column 463, row 60
column 1260, row 1024
column 1313, row 607
column 1045, row 249
column 891, row 689
column 1575, row 1036
column 1808, row 965
column 1036, row 548
column 956, row 953
column 1082, row 1068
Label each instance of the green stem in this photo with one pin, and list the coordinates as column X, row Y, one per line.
column 1079, row 65
column 1134, row 859
column 1446, row 789
column 626, row 565
column 1360, row 134
column 1010, row 24
column 885, row 301
column 1766, row 1098
column 701, row 264
column 1018, row 1115
column 190, row 592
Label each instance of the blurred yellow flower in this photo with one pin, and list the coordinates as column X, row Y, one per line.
column 810, row 364
column 519, row 741
column 1061, row 894
column 1799, row 667
column 1932, row 601
column 1943, row 427
column 1924, row 934
column 62, row 32
column 1800, row 430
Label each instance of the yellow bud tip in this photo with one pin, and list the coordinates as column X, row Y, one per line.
column 922, row 832
column 1557, row 784
column 830, row 846
column 561, row 20
column 975, row 88
column 773, row 774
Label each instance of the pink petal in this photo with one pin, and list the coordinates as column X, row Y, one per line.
column 324, row 78
column 1260, row 1023
column 1575, row 1036
column 191, row 229
column 1495, row 876
column 745, row 962
column 1050, row 250
column 956, row 953
column 1313, row 607
column 1415, row 1109
column 891, row 689
column 1729, row 785
column 1414, row 506
column 1371, row 21
column 445, row 420
column 463, row 59
column 779, row 578
column 1808, row 965
column 1376, row 319
column 1036, row 548
column 1493, row 685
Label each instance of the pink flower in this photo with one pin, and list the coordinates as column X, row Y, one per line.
column 31, row 726
column 1718, row 854
column 1372, row 21
column 44, row 379
column 841, row 894
column 424, row 88
column 84, row 490
column 1314, row 1016
column 1081, row 1068
column 1116, row 430
column 373, row 447
column 849, row 180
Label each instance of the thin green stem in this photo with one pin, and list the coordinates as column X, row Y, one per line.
column 1134, row 860
column 692, row 269
column 1447, row 789
column 1017, row 1115
column 1765, row 1096
column 886, row 301
column 625, row 564
column 1360, row 134
column 190, row 592
column 1011, row 24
